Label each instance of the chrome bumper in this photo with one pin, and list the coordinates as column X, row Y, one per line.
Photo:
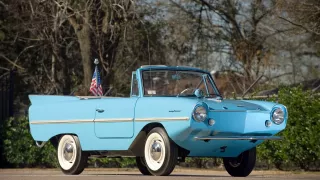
column 251, row 138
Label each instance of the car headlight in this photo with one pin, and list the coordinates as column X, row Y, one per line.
column 200, row 114
column 278, row 116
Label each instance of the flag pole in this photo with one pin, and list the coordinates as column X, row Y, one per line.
column 95, row 86
column 96, row 62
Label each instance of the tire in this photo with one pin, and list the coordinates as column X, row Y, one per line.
column 72, row 160
column 242, row 165
column 163, row 159
column 141, row 166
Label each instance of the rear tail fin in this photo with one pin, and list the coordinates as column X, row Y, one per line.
column 46, row 99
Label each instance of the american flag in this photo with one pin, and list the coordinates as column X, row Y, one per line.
column 96, row 87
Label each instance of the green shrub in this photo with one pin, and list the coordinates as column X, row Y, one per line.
column 20, row 149
column 301, row 144
column 126, row 162
column 202, row 162
column 3, row 162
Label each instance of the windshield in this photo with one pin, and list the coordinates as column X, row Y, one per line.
column 176, row 83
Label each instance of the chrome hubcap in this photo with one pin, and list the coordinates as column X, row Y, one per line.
column 155, row 151
column 68, row 151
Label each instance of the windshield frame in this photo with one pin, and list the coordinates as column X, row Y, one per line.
column 204, row 75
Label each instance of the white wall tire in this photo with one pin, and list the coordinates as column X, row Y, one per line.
column 160, row 153
column 71, row 158
column 154, row 139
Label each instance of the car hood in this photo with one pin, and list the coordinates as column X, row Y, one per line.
column 241, row 105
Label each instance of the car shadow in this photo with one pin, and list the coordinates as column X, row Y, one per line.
column 171, row 175
column 198, row 175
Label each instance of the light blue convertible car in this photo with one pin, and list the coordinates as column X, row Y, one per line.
column 172, row 113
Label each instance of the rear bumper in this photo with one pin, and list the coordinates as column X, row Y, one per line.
column 239, row 138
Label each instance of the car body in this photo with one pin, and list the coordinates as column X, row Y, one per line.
column 199, row 123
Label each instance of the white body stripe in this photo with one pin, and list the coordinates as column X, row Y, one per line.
column 110, row 120
column 163, row 119
column 114, row 120
column 62, row 121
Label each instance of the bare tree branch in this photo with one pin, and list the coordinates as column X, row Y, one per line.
column 4, row 5
column 11, row 62
column 299, row 25
column 221, row 12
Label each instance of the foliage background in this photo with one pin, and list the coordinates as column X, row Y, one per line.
column 300, row 148
column 50, row 45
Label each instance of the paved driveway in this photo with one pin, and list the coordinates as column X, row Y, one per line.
column 130, row 174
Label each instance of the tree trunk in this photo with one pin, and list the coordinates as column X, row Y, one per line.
column 65, row 80
column 84, row 41
column 83, row 34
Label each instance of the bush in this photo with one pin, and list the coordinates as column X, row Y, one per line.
column 206, row 163
column 20, row 149
column 300, row 147
column 126, row 162
column 3, row 162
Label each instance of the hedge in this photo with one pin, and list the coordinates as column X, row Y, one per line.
column 301, row 145
column 20, row 149
column 299, row 149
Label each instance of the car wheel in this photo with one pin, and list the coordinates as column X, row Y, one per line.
column 72, row 160
column 141, row 164
column 242, row 165
column 160, row 153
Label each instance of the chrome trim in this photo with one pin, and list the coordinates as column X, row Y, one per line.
column 239, row 138
column 225, row 110
column 157, row 65
column 163, row 119
column 82, row 121
column 109, row 120
column 88, row 97
column 114, row 120
column 42, row 144
column 62, row 121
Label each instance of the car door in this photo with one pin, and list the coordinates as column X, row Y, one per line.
column 114, row 117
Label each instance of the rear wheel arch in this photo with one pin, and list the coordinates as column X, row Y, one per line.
column 55, row 139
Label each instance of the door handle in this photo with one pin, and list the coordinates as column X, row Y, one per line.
column 99, row 110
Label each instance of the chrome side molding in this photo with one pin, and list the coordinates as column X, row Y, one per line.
column 42, row 144
column 239, row 138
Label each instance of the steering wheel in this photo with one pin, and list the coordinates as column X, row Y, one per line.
column 187, row 89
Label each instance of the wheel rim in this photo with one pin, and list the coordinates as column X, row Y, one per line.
column 235, row 162
column 67, row 152
column 154, row 151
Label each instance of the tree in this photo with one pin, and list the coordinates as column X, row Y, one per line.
column 99, row 26
column 35, row 45
column 304, row 17
column 304, row 14
column 52, row 44
column 240, row 30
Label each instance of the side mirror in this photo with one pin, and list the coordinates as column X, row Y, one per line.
column 198, row 93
